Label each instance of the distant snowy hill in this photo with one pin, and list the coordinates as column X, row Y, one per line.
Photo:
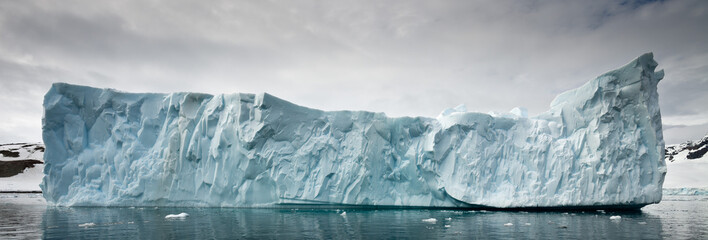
column 21, row 167
column 687, row 165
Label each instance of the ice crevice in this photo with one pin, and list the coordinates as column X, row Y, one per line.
column 598, row 145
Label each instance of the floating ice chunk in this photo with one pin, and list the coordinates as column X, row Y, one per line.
column 615, row 218
column 527, row 224
column 177, row 216
column 430, row 220
column 447, row 226
column 344, row 214
column 448, row 219
column 85, row 225
column 508, row 224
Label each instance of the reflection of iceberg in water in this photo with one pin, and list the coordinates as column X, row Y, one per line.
column 229, row 223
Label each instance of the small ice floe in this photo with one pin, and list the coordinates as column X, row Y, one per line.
column 430, row 220
column 615, row 218
column 601, row 211
column 527, row 224
column 642, row 223
column 86, row 225
column 177, row 216
column 447, row 226
column 131, row 222
column 508, row 224
column 343, row 214
column 448, row 219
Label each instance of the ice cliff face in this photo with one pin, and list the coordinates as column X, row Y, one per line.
column 600, row 144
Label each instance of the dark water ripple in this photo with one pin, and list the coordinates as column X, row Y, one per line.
column 25, row 216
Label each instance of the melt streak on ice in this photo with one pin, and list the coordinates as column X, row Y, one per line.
column 599, row 145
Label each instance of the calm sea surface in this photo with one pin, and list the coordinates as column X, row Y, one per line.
column 24, row 216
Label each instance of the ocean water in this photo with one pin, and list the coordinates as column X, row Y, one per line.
column 24, row 216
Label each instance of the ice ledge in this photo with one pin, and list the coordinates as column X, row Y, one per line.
column 598, row 145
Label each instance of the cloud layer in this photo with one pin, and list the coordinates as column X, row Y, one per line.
column 397, row 57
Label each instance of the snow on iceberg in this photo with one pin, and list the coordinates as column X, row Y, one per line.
column 598, row 145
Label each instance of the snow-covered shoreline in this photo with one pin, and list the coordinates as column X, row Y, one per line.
column 687, row 166
column 23, row 168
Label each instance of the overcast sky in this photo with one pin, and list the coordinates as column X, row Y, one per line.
column 399, row 57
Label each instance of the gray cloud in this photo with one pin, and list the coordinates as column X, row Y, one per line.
column 398, row 57
column 680, row 134
column 22, row 99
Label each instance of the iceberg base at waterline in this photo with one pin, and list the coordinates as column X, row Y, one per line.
column 599, row 145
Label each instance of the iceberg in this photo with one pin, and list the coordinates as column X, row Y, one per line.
column 599, row 145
